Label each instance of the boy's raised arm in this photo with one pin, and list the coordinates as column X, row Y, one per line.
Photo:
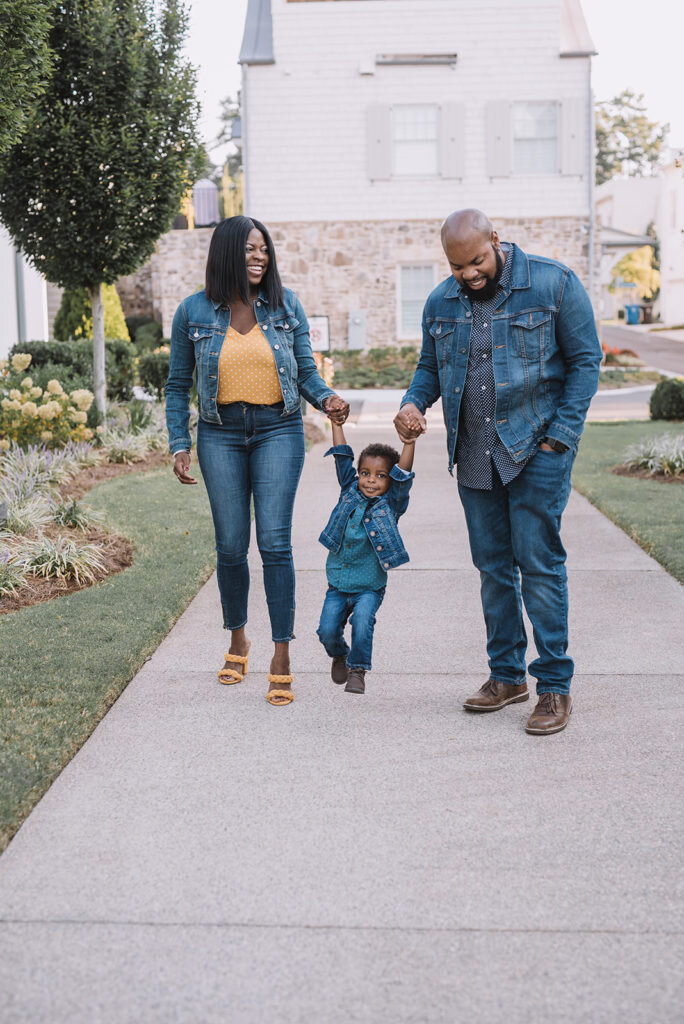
column 406, row 457
column 338, row 433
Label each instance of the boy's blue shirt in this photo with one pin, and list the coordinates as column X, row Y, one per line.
column 380, row 518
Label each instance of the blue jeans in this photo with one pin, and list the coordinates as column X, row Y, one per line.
column 514, row 533
column 254, row 452
column 337, row 608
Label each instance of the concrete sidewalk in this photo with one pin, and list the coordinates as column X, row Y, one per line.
column 387, row 858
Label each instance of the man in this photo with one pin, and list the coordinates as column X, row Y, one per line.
column 510, row 344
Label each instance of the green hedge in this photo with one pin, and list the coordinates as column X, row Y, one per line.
column 71, row 362
column 153, row 369
column 375, row 368
column 667, row 400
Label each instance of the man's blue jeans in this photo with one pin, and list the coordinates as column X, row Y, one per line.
column 514, row 533
column 254, row 453
column 337, row 608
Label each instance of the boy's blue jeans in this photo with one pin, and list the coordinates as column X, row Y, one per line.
column 254, row 453
column 514, row 533
column 337, row 609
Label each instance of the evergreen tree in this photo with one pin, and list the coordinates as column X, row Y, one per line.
column 74, row 318
column 26, row 62
column 626, row 141
column 110, row 148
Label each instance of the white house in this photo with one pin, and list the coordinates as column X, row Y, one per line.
column 670, row 227
column 365, row 122
column 625, row 210
column 23, row 296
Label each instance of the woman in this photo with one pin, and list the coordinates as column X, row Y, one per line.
column 248, row 338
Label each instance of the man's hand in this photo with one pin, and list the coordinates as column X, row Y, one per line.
column 181, row 465
column 336, row 409
column 409, row 423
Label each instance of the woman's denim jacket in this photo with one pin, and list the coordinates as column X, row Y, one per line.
column 380, row 520
column 197, row 334
column 545, row 355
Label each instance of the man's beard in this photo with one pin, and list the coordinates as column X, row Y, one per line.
column 488, row 290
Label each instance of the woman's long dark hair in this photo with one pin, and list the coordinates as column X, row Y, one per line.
column 226, row 275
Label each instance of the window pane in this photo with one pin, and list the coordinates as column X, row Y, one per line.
column 416, row 285
column 535, row 138
column 414, row 136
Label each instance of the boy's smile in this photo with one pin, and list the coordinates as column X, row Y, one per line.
column 374, row 478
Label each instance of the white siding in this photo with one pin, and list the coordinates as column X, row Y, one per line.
column 308, row 113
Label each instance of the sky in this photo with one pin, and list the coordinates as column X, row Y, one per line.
column 639, row 44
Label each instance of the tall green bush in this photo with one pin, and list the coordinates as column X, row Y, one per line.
column 667, row 400
column 75, row 315
column 153, row 369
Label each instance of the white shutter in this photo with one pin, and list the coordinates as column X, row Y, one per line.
column 379, row 142
column 452, row 140
column 574, row 130
column 499, row 142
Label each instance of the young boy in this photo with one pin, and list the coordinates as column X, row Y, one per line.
column 363, row 543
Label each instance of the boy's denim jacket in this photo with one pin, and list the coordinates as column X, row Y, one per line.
column 545, row 355
column 197, row 334
column 380, row 521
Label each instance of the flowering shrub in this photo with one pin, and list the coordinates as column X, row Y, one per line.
column 32, row 415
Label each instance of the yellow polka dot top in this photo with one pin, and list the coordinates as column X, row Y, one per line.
column 247, row 370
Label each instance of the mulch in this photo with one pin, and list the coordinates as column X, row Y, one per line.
column 643, row 474
column 116, row 552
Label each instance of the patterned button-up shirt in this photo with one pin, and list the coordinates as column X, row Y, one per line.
column 355, row 567
column 479, row 444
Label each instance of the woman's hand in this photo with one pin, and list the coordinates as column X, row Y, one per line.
column 336, row 409
column 181, row 465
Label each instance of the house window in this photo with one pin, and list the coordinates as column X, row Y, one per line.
column 415, row 284
column 535, row 138
column 414, row 140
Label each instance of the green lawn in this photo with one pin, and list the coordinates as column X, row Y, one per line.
column 63, row 663
column 650, row 512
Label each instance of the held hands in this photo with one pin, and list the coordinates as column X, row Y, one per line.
column 336, row 409
column 181, row 465
column 409, row 423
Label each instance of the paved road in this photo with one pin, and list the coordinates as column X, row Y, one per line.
column 663, row 350
column 207, row 858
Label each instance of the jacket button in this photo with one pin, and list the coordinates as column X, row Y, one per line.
column 379, row 547
column 468, row 314
column 366, row 520
column 462, row 350
column 386, row 565
column 282, row 369
column 372, row 533
column 276, row 347
column 457, row 390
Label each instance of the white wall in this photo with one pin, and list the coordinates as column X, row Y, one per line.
column 19, row 281
column 306, row 114
column 671, row 235
column 628, row 204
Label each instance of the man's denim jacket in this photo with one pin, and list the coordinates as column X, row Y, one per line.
column 545, row 355
column 380, row 520
column 197, row 334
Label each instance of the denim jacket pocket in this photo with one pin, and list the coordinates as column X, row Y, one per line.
column 285, row 329
column 531, row 335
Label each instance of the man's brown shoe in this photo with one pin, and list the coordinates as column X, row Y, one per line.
column 494, row 695
column 551, row 714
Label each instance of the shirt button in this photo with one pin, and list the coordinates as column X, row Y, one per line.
column 484, row 355
column 487, row 452
column 487, row 419
column 484, row 387
column 484, row 324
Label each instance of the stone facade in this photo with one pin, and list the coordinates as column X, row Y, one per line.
column 339, row 267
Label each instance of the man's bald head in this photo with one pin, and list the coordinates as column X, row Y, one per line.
column 462, row 225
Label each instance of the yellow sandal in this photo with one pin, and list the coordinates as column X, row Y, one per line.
column 231, row 675
column 287, row 694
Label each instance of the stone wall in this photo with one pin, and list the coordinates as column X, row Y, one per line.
column 338, row 267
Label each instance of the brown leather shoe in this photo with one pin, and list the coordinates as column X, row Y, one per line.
column 551, row 714
column 338, row 670
column 494, row 695
column 356, row 683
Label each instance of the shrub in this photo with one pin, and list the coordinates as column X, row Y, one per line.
column 75, row 315
column 30, row 414
column 664, row 454
column 153, row 369
column 12, row 574
column 74, row 515
column 62, row 559
column 667, row 400
column 375, row 368
column 148, row 336
column 77, row 359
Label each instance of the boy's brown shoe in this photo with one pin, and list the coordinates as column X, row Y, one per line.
column 551, row 714
column 338, row 670
column 356, row 683
column 494, row 695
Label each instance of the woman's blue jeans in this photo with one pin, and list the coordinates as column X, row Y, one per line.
column 256, row 453
column 514, row 533
column 337, row 608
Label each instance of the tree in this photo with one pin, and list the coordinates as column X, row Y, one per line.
column 26, row 63
column 627, row 142
column 75, row 315
column 110, row 149
column 637, row 268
